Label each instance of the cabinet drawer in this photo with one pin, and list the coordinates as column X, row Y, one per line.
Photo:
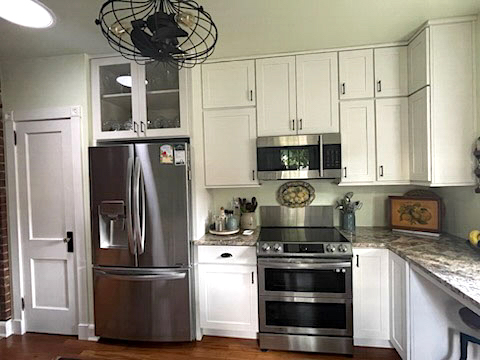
column 227, row 255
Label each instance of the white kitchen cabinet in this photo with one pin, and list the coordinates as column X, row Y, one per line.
column 392, row 140
column 399, row 305
column 228, row 294
column 419, row 61
column 276, row 96
column 391, row 76
column 131, row 101
column 230, row 147
column 371, row 308
column 317, row 93
column 419, row 128
column 297, row 95
column 228, row 84
column 356, row 74
column 357, row 120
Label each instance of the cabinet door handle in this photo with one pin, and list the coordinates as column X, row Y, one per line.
column 251, row 95
column 343, row 88
column 293, row 124
column 253, row 175
column 358, row 261
column 135, row 127
column 381, row 170
column 142, row 126
column 345, row 170
column 301, row 124
column 226, row 255
column 379, row 86
column 253, row 279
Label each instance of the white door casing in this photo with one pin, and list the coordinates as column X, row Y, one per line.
column 47, row 151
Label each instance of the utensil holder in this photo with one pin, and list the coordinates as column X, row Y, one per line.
column 348, row 222
column 248, row 221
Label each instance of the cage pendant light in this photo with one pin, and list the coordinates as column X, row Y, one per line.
column 177, row 32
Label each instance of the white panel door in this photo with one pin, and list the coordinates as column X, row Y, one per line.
column 391, row 76
column 46, row 206
column 392, row 140
column 399, row 304
column 276, row 107
column 230, row 147
column 371, row 319
column 228, row 297
column 317, row 93
column 419, row 130
column 228, row 84
column 419, row 61
column 356, row 74
column 357, row 126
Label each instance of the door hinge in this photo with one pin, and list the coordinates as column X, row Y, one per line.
column 14, row 137
column 23, row 303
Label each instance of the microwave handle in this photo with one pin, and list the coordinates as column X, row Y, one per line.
column 320, row 144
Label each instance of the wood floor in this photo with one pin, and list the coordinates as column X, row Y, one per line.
column 49, row 347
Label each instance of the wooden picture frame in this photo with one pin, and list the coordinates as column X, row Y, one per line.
column 413, row 213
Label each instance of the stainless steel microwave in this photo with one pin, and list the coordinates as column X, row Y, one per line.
column 299, row 157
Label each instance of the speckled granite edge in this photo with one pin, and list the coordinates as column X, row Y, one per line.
column 446, row 259
column 230, row 240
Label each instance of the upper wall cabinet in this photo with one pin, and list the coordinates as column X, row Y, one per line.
column 276, row 94
column 391, row 72
column 317, row 93
column 442, row 116
column 131, row 101
column 228, row 84
column 356, row 74
column 418, row 61
column 230, row 147
column 297, row 95
column 358, row 141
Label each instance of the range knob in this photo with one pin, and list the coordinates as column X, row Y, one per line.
column 342, row 248
column 277, row 247
column 330, row 248
column 266, row 247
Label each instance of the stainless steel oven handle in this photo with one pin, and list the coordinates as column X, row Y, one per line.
column 303, row 265
column 320, row 144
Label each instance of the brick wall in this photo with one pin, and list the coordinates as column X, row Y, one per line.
column 5, row 297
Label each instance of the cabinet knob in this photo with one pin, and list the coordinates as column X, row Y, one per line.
column 226, row 255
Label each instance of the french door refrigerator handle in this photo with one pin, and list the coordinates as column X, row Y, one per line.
column 131, row 241
column 143, row 277
column 139, row 205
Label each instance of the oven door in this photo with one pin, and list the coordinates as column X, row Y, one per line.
column 306, row 316
column 328, row 278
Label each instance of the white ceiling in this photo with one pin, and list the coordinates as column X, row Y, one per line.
column 247, row 27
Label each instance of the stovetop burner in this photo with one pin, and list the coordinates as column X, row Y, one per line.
column 301, row 234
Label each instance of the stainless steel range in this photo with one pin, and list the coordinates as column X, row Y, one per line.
column 305, row 281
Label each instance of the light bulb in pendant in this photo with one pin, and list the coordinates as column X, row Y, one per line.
column 186, row 18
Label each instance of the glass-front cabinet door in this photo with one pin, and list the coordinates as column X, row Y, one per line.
column 162, row 98
column 113, row 101
column 131, row 100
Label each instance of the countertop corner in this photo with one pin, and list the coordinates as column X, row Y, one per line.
column 229, row 240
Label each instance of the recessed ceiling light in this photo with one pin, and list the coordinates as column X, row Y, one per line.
column 29, row 13
column 126, row 80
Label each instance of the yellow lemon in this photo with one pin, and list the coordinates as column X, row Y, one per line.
column 474, row 237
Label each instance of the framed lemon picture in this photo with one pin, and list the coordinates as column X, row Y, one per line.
column 415, row 214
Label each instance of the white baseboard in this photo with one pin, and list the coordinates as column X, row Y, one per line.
column 18, row 327
column 6, row 328
column 380, row 343
column 87, row 332
column 230, row 333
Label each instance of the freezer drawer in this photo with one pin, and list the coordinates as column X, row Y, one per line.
column 143, row 304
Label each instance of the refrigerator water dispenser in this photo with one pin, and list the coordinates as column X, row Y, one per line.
column 111, row 221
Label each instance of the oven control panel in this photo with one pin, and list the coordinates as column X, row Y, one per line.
column 304, row 249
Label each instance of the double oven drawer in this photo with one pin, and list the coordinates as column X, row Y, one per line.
column 305, row 296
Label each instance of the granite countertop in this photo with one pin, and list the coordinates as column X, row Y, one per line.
column 230, row 240
column 448, row 259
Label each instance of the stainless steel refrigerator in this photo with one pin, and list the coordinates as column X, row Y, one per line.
column 140, row 208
